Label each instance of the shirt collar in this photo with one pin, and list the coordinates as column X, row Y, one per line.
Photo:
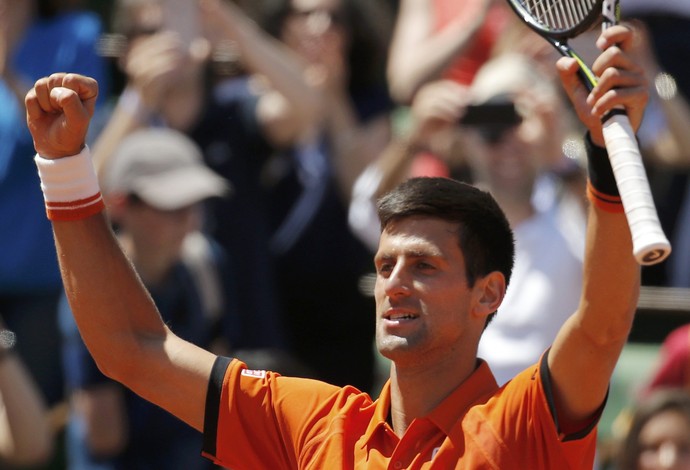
column 477, row 388
column 480, row 385
column 379, row 421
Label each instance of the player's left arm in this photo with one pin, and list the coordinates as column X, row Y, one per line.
column 587, row 347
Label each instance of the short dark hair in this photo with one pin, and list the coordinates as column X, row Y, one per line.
column 485, row 237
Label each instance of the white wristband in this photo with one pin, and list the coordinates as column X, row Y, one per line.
column 70, row 186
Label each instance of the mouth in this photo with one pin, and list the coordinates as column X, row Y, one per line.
column 399, row 316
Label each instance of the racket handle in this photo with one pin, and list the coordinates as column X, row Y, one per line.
column 650, row 245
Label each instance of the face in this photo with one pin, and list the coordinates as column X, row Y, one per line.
column 161, row 232
column 512, row 158
column 505, row 160
column 424, row 307
column 315, row 30
column 665, row 442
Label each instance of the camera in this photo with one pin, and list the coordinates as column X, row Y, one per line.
column 491, row 114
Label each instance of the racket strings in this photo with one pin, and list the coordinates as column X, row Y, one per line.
column 560, row 15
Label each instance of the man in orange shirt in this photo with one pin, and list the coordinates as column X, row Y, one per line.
column 443, row 265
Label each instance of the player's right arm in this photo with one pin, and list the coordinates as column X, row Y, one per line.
column 115, row 314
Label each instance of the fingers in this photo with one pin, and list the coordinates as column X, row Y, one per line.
column 443, row 99
column 618, row 87
column 48, row 94
column 33, row 107
column 621, row 35
column 578, row 95
column 622, row 82
column 59, row 108
column 86, row 88
column 41, row 90
column 568, row 70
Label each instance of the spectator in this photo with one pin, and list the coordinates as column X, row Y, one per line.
column 26, row 435
column 160, row 63
column 434, row 115
column 37, row 37
column 163, row 74
column 442, row 39
column 263, row 107
column 342, row 44
column 659, row 433
column 673, row 367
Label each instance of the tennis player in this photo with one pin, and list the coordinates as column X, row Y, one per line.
column 443, row 264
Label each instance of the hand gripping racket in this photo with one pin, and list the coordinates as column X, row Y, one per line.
column 560, row 20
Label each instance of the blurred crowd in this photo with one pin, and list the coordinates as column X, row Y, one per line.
column 241, row 146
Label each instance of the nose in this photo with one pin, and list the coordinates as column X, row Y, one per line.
column 398, row 282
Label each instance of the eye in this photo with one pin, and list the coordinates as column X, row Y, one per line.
column 425, row 266
column 384, row 267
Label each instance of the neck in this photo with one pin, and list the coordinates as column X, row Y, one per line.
column 417, row 390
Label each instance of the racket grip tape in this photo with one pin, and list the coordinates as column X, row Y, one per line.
column 650, row 245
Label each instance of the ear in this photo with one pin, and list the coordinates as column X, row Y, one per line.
column 490, row 291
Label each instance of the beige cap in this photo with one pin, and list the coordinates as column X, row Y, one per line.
column 164, row 168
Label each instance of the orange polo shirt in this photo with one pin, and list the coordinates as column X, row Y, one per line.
column 260, row 420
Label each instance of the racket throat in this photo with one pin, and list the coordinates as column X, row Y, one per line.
column 586, row 75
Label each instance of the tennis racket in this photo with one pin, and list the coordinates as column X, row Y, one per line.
column 560, row 20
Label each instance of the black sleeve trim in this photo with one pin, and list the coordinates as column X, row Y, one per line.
column 546, row 382
column 215, row 387
column 548, row 391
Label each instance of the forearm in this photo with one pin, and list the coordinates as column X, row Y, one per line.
column 395, row 162
column 121, row 326
column 416, row 60
column 587, row 348
column 264, row 55
column 611, row 273
column 113, row 311
column 25, row 433
column 125, row 119
column 611, row 278
column 355, row 145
